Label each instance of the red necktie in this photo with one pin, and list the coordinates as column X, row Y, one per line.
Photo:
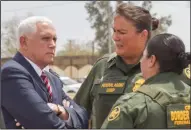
column 48, row 87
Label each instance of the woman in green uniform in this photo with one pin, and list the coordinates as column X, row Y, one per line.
column 163, row 101
column 111, row 74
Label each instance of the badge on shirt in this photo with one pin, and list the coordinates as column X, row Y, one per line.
column 112, row 87
column 187, row 71
column 138, row 84
column 178, row 116
column 114, row 113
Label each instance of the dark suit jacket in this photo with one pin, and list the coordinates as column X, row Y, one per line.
column 24, row 97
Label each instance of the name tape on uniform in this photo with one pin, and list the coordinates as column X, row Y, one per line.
column 112, row 87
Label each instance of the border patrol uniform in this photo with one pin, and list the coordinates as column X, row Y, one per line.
column 163, row 101
column 106, row 82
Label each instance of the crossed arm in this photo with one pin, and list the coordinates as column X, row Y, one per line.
column 23, row 103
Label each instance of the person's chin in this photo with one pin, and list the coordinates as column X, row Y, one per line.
column 50, row 60
column 119, row 52
column 50, row 57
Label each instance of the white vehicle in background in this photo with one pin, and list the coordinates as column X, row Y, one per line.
column 70, row 85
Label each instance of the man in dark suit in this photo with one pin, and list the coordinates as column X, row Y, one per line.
column 30, row 94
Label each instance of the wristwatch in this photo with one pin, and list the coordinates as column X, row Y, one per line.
column 59, row 111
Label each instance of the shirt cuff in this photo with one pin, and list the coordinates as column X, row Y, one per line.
column 69, row 121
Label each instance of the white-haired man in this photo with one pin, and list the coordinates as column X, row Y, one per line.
column 30, row 94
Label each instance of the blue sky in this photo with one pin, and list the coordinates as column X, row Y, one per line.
column 69, row 17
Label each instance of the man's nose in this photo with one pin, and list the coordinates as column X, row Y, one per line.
column 52, row 44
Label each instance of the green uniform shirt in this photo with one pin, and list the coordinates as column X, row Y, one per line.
column 138, row 110
column 106, row 82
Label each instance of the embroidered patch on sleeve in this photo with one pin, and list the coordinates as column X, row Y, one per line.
column 114, row 113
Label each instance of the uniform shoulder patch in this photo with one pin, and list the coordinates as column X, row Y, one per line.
column 114, row 113
column 178, row 116
column 187, row 71
column 138, row 84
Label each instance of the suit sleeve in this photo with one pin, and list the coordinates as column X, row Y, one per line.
column 21, row 100
column 78, row 114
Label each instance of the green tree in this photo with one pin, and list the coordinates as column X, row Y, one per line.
column 9, row 43
column 100, row 17
column 8, row 37
column 164, row 21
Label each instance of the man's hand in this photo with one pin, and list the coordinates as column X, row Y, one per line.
column 18, row 124
column 64, row 115
column 57, row 108
column 66, row 103
column 53, row 107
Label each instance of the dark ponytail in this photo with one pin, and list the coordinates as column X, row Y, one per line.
column 185, row 59
column 155, row 23
column 170, row 52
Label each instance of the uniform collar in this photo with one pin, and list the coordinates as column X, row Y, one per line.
column 162, row 77
column 112, row 56
column 114, row 59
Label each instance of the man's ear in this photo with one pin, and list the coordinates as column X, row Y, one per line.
column 23, row 42
column 152, row 61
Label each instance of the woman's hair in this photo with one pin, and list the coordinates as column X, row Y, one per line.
column 139, row 16
column 169, row 51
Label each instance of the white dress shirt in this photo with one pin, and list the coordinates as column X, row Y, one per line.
column 36, row 68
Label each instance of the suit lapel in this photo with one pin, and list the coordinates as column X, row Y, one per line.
column 21, row 60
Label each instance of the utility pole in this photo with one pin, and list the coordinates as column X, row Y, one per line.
column 93, row 48
column 70, row 45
